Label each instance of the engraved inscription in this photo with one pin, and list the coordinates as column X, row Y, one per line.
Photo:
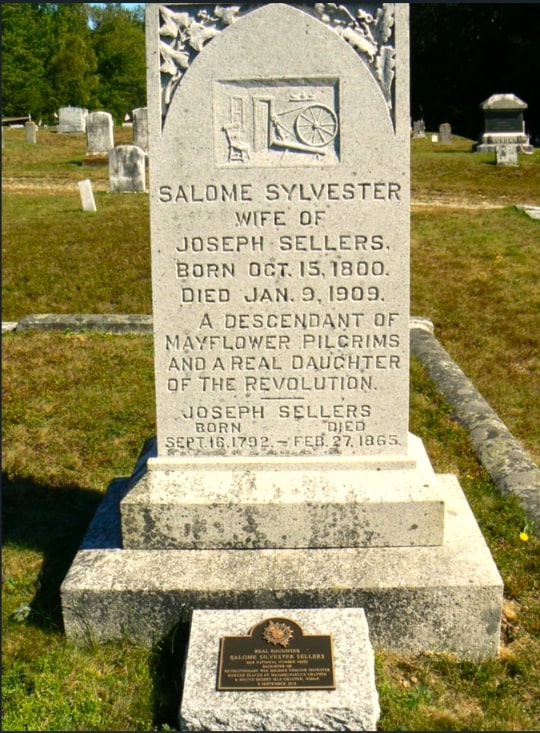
column 276, row 655
column 280, row 228
column 291, row 312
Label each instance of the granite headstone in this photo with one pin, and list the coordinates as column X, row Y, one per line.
column 30, row 131
column 503, row 123
column 72, row 119
column 445, row 133
column 99, row 133
column 140, row 128
column 127, row 170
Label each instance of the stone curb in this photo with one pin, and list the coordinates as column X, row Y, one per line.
column 107, row 323
column 509, row 465
column 511, row 468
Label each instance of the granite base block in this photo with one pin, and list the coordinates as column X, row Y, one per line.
column 446, row 598
column 235, row 503
column 353, row 705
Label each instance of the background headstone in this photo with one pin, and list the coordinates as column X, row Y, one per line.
column 72, row 119
column 30, row 129
column 140, row 128
column 127, row 169
column 419, row 128
column 506, row 155
column 445, row 133
column 503, row 123
column 87, row 195
column 99, row 132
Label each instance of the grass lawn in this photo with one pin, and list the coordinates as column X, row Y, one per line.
column 78, row 408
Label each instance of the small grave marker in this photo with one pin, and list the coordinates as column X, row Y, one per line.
column 445, row 133
column 87, row 195
column 30, row 129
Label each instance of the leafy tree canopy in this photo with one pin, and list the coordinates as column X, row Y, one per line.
column 60, row 54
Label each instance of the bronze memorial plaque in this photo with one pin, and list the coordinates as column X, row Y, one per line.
column 276, row 656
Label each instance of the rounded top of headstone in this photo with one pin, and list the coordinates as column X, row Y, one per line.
column 503, row 101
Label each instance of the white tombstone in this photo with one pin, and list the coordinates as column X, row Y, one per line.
column 99, row 133
column 87, row 195
column 140, row 128
column 72, row 119
column 30, row 129
column 127, row 169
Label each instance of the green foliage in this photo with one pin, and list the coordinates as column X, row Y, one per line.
column 27, row 43
column 61, row 54
column 73, row 65
column 118, row 41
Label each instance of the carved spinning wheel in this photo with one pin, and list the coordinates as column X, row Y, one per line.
column 316, row 125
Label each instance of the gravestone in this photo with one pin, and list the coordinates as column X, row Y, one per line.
column 419, row 128
column 503, row 123
column 99, row 138
column 283, row 474
column 87, row 195
column 140, row 128
column 30, row 129
column 72, row 119
column 353, row 699
column 127, row 170
column 445, row 133
column 506, row 154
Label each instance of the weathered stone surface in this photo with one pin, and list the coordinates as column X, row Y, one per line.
column 445, row 133
column 503, row 123
column 127, row 169
column 280, row 258
column 140, row 128
column 353, row 705
column 87, row 195
column 30, row 132
column 509, row 465
column 249, row 503
column 105, row 323
column 506, row 155
column 99, row 132
column 72, row 119
column 445, row 598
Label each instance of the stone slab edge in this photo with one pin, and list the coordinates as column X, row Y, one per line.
column 353, row 705
column 511, row 468
column 106, row 323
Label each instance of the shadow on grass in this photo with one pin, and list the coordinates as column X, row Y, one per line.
column 167, row 673
column 52, row 521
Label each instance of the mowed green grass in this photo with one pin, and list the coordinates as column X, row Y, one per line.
column 78, row 408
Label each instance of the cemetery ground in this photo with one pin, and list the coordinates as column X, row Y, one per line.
column 77, row 408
